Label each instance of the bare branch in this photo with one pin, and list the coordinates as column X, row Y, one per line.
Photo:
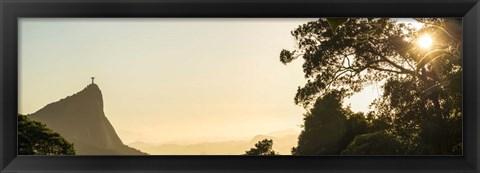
column 388, row 70
column 402, row 69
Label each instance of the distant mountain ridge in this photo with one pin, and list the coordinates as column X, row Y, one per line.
column 80, row 119
column 283, row 141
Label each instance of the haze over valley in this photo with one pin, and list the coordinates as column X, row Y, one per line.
column 283, row 143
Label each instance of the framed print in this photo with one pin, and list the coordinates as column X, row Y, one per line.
column 230, row 86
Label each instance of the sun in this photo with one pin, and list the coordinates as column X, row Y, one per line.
column 425, row 41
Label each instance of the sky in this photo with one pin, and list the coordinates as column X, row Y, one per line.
column 171, row 79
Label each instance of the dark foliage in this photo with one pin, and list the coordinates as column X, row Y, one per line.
column 324, row 128
column 376, row 143
column 34, row 138
column 262, row 148
column 420, row 111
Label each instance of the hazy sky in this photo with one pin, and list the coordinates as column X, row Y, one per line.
column 170, row 79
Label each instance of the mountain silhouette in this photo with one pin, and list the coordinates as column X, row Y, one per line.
column 80, row 119
column 283, row 141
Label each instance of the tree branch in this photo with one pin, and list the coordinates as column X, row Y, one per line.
column 402, row 69
column 388, row 70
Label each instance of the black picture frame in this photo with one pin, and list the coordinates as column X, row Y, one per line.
column 11, row 10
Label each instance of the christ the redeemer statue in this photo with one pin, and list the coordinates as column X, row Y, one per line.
column 93, row 78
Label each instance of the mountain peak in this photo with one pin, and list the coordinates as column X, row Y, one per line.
column 80, row 119
column 92, row 86
column 90, row 98
column 91, row 90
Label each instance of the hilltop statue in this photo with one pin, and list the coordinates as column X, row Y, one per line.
column 93, row 78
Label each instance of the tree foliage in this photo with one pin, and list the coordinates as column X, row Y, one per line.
column 376, row 143
column 421, row 106
column 324, row 127
column 262, row 148
column 34, row 138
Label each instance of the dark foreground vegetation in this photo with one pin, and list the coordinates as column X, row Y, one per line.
column 34, row 138
column 420, row 111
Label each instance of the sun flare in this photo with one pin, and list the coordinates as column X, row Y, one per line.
column 425, row 41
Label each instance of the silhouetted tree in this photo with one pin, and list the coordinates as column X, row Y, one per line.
column 421, row 104
column 324, row 127
column 262, row 148
column 34, row 138
column 376, row 143
column 328, row 127
column 356, row 124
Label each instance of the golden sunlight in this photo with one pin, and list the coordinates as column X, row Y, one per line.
column 425, row 41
